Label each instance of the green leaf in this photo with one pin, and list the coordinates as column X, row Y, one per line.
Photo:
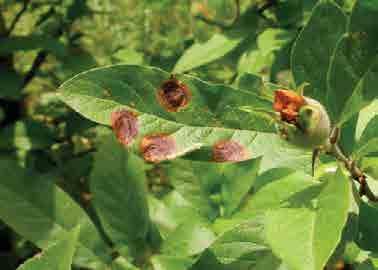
column 364, row 118
column 26, row 135
column 16, row 43
column 368, row 142
column 46, row 219
column 313, row 49
column 11, row 83
column 279, row 187
column 305, row 237
column 129, row 56
column 258, row 58
column 190, row 238
column 368, row 236
column 122, row 264
column 203, row 53
column 58, row 256
column 117, row 181
column 162, row 262
column 219, row 45
column 238, row 180
column 241, row 247
column 353, row 66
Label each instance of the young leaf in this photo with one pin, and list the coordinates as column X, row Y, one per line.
column 201, row 54
column 219, row 45
column 353, row 68
column 312, row 50
column 42, row 213
column 118, row 182
column 58, row 256
column 305, row 236
column 368, row 142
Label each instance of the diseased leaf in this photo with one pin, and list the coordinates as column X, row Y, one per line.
column 314, row 47
column 58, row 256
column 118, row 184
column 46, row 219
column 99, row 92
column 353, row 66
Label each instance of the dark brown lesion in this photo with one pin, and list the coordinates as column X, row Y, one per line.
column 157, row 148
column 229, row 151
column 125, row 126
column 173, row 95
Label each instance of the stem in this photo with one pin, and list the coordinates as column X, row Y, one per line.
column 356, row 173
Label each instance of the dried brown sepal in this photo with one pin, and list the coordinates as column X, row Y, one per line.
column 229, row 151
column 125, row 125
column 288, row 103
column 173, row 95
column 157, row 148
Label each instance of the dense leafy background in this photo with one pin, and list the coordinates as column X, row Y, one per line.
column 72, row 197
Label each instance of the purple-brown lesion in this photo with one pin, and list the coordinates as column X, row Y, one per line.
column 173, row 95
column 157, row 148
column 229, row 151
column 125, row 126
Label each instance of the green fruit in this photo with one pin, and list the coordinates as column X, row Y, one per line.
column 312, row 129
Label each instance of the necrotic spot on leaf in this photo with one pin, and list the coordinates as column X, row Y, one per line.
column 173, row 95
column 125, row 125
column 156, row 148
column 229, row 151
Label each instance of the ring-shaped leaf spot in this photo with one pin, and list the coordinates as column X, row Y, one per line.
column 173, row 95
column 125, row 125
column 229, row 151
column 157, row 148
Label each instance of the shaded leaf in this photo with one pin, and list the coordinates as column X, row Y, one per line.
column 314, row 47
column 354, row 64
column 58, row 256
column 45, row 219
column 117, row 181
column 32, row 42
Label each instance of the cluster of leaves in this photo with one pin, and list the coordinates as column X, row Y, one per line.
column 123, row 175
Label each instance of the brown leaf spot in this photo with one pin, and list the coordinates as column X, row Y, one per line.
column 229, row 151
column 173, row 95
column 125, row 126
column 288, row 103
column 157, row 148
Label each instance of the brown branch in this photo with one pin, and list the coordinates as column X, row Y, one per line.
column 355, row 172
column 18, row 16
column 37, row 63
